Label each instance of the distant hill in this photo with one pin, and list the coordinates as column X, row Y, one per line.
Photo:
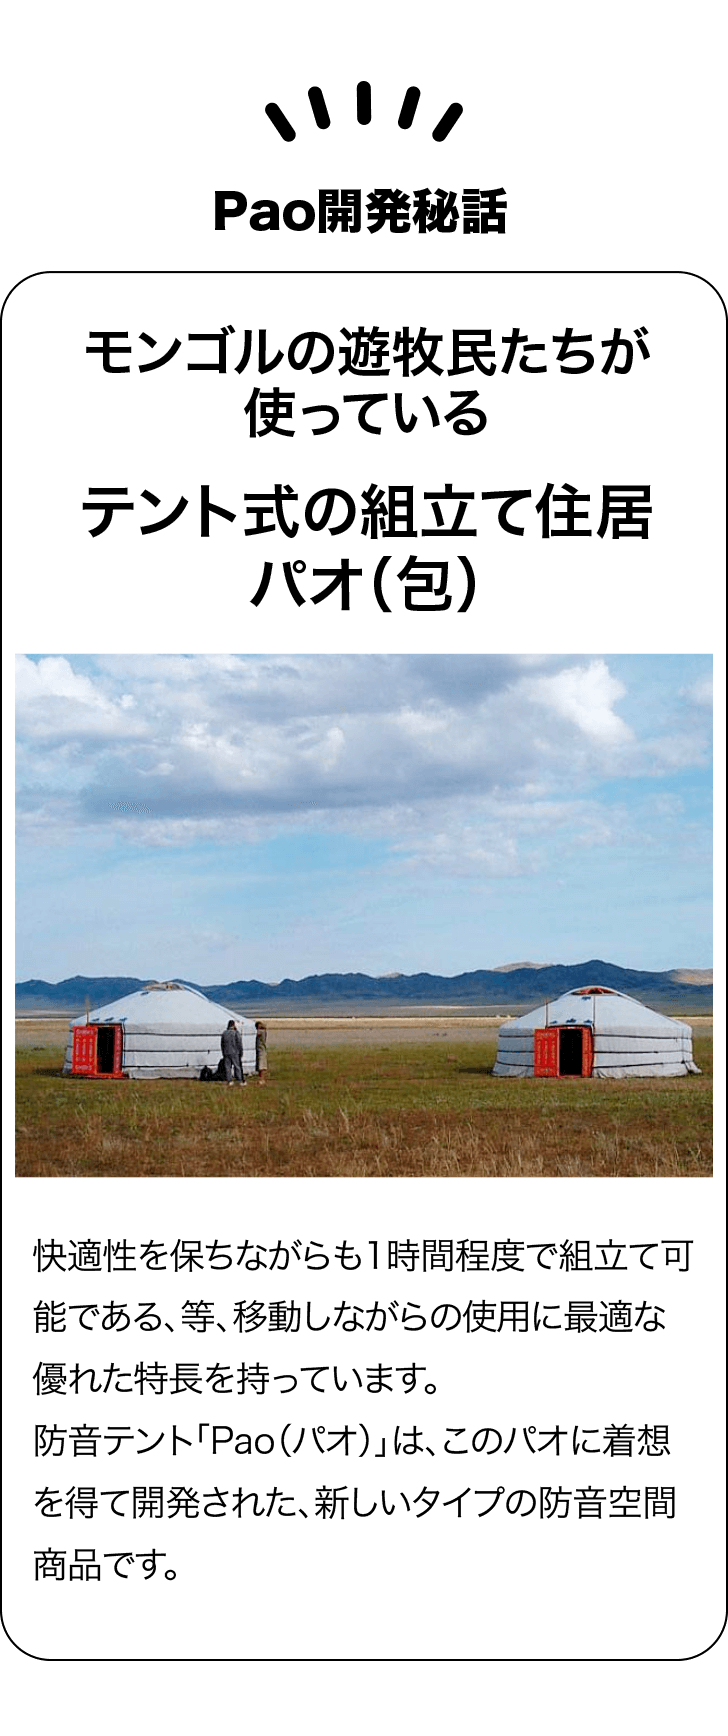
column 73, row 992
column 502, row 988
column 523, row 964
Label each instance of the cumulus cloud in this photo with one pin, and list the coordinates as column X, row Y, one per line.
column 56, row 702
column 461, row 761
column 464, row 681
column 268, row 815
column 586, row 696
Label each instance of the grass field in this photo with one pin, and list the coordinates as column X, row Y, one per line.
column 382, row 1105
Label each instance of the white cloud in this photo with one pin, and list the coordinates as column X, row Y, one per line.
column 54, row 678
column 58, row 703
column 461, row 759
column 491, row 852
column 700, row 692
column 587, row 697
column 264, row 816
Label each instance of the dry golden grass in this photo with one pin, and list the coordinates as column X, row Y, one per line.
column 429, row 1109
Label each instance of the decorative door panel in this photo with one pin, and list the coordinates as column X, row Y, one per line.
column 546, row 1053
column 84, row 1049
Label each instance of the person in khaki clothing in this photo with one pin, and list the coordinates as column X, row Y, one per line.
column 261, row 1052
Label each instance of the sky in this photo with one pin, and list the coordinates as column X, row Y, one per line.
column 223, row 818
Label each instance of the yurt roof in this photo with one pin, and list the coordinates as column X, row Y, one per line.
column 604, row 1009
column 170, row 1005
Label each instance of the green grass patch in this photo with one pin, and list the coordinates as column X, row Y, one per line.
column 420, row 1109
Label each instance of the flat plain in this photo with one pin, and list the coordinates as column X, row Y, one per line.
column 410, row 1096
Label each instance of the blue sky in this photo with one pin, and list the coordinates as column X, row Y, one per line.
column 225, row 817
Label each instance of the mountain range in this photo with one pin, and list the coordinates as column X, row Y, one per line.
column 502, row 988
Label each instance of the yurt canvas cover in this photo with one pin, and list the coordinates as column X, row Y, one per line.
column 594, row 1033
column 164, row 1031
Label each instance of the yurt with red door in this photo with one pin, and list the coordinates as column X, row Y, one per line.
column 163, row 1031
column 594, row 1033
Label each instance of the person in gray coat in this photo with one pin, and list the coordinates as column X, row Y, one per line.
column 231, row 1044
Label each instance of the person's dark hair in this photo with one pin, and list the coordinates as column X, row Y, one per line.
column 231, row 1024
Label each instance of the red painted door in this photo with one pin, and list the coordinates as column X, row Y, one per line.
column 587, row 1053
column 546, row 1053
column 84, row 1049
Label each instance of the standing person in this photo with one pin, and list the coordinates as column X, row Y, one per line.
column 261, row 1052
column 231, row 1044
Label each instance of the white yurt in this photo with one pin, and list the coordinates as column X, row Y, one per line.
column 163, row 1031
column 594, row 1033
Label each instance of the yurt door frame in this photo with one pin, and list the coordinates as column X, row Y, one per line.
column 86, row 1046
column 554, row 1056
